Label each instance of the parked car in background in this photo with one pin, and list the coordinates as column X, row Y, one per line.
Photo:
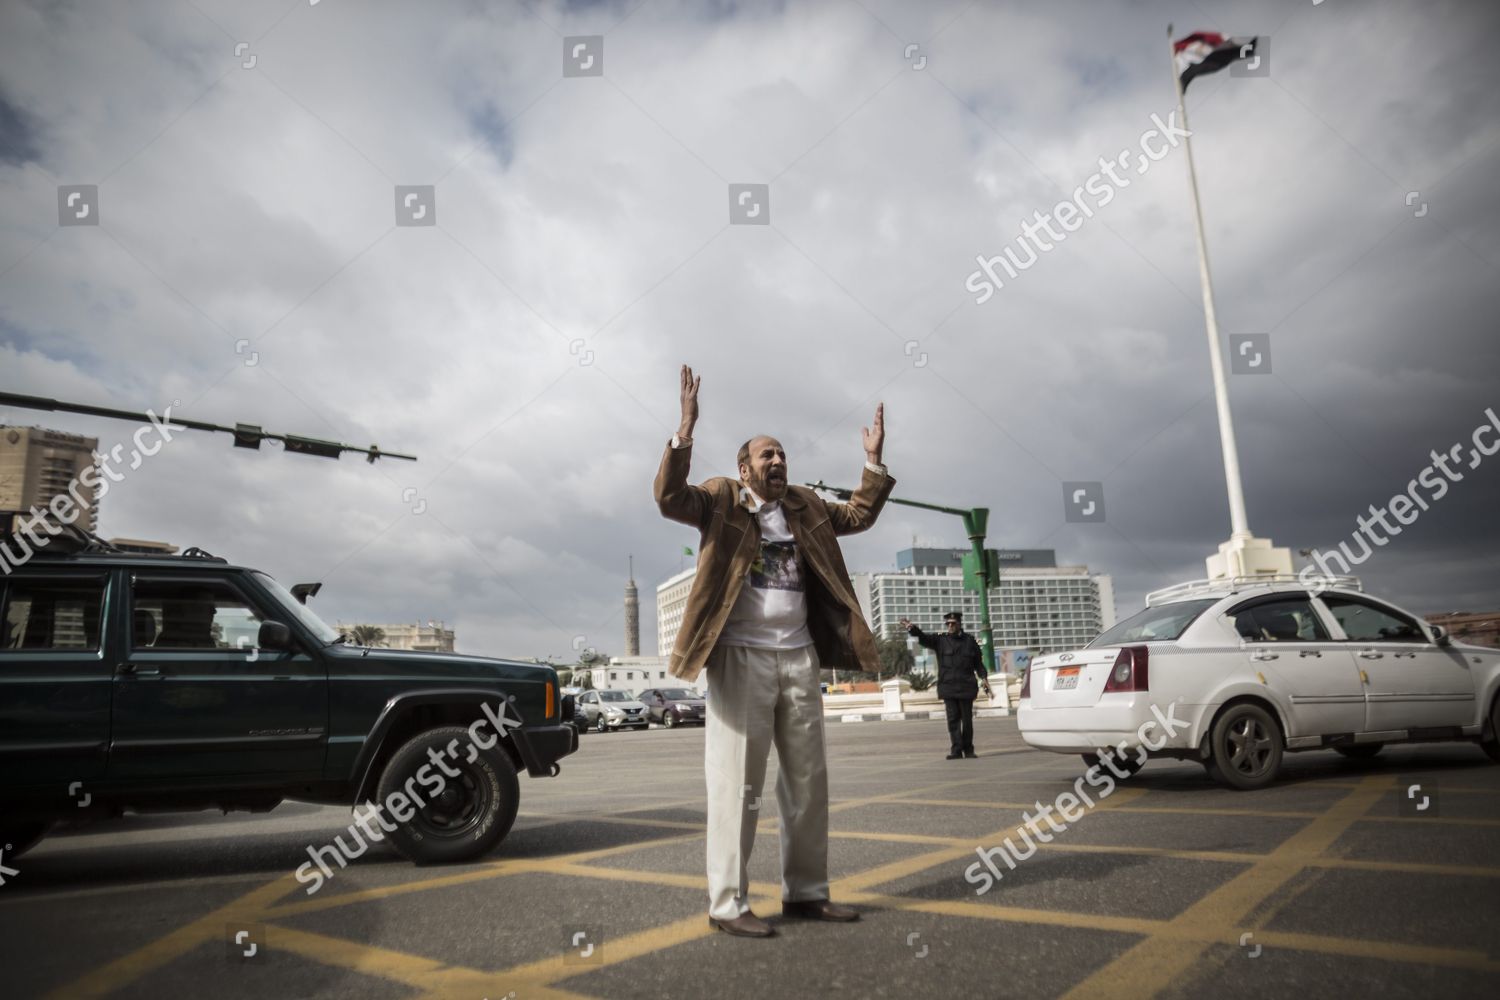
column 1258, row 667
column 672, row 707
column 609, row 709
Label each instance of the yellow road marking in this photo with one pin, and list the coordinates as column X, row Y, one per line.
column 1150, row 966
column 1169, row 946
column 113, row 975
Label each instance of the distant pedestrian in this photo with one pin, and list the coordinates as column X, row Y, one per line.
column 960, row 675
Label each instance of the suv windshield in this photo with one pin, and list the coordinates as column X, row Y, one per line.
column 614, row 696
column 1162, row 623
column 325, row 632
column 678, row 694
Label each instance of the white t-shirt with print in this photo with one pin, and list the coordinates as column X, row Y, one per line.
column 771, row 611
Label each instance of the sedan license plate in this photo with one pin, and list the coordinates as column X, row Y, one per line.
column 1067, row 679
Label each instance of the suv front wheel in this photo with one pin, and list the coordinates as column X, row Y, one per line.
column 464, row 817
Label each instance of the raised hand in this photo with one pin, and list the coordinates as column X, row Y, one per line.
column 875, row 439
column 905, row 624
column 689, row 403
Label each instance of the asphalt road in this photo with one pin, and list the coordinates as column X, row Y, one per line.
column 1329, row 882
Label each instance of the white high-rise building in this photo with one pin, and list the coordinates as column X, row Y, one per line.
column 1036, row 605
column 671, row 604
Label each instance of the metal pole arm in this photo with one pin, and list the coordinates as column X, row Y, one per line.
column 245, row 435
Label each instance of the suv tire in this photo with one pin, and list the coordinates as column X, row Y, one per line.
column 470, row 815
column 1246, row 745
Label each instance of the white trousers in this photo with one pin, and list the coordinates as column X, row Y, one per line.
column 757, row 697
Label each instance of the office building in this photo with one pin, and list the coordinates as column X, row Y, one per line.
column 37, row 464
column 1035, row 606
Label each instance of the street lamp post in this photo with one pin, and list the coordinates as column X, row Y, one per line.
column 976, row 522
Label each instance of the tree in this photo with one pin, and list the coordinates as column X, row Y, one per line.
column 366, row 635
column 895, row 657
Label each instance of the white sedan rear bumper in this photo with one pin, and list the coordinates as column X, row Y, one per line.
column 1117, row 719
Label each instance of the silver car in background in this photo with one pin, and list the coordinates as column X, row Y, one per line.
column 610, row 709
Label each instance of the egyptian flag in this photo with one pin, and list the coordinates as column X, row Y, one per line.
column 1208, row 52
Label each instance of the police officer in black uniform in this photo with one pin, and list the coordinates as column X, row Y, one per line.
column 960, row 673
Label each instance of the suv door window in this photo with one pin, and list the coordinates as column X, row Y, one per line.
column 192, row 614
column 1364, row 622
column 1289, row 619
column 52, row 613
column 54, row 682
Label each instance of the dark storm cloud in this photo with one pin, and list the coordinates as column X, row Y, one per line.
column 526, row 347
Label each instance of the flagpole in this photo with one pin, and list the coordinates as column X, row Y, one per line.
column 1239, row 523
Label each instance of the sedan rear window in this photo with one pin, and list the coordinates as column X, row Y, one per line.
column 1159, row 624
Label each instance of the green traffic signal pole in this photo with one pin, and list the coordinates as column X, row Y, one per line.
column 976, row 521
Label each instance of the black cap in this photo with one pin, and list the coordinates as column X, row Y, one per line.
column 954, row 616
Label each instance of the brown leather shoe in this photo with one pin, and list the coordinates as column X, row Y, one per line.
column 819, row 909
column 746, row 924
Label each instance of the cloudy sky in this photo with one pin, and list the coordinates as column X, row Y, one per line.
column 247, row 263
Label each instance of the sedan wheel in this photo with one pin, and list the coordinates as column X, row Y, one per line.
column 600, row 725
column 668, row 719
column 1246, row 745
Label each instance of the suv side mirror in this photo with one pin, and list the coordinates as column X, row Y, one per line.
column 1440, row 635
column 274, row 635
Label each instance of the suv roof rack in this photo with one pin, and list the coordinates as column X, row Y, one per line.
column 64, row 538
column 68, row 537
column 1233, row 584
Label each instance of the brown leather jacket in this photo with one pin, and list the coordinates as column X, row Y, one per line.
column 729, row 541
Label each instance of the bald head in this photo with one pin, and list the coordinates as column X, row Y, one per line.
column 762, row 463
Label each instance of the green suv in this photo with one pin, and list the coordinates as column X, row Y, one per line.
column 132, row 682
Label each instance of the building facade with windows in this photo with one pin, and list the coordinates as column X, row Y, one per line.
column 1036, row 606
column 637, row 673
column 671, row 604
column 434, row 637
column 37, row 464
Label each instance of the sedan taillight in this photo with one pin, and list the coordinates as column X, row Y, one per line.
column 1129, row 672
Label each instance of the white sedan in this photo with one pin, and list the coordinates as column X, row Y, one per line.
column 1235, row 673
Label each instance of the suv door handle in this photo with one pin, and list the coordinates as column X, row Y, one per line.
column 135, row 670
column 1370, row 654
column 1262, row 654
column 1310, row 652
